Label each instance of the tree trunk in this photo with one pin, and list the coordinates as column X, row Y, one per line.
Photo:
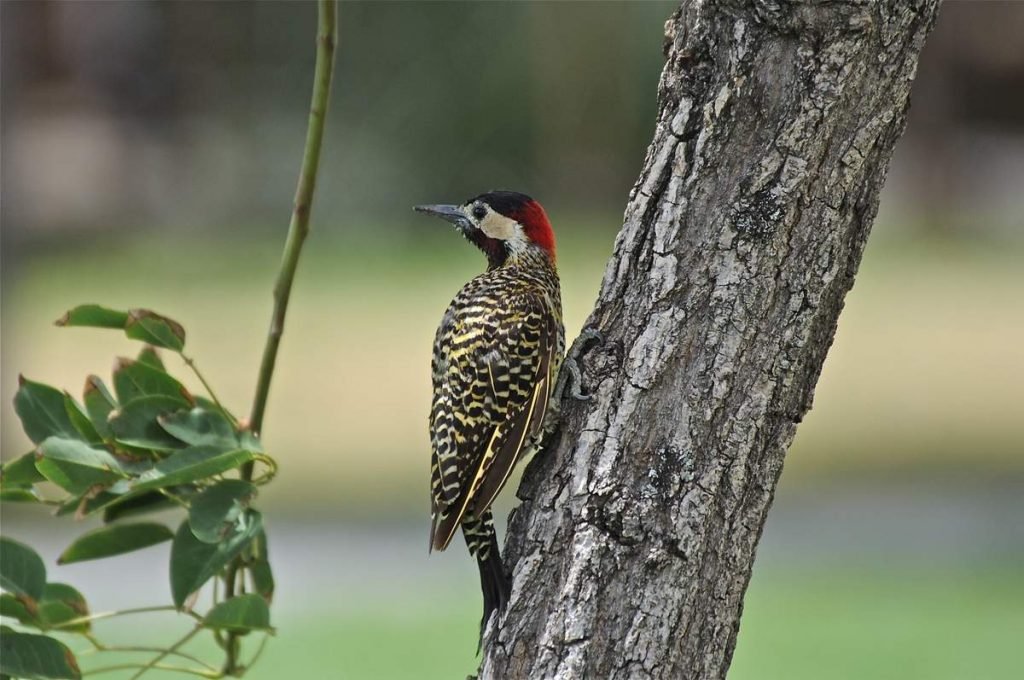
column 635, row 539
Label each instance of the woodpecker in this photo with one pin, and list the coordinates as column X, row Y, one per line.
column 496, row 356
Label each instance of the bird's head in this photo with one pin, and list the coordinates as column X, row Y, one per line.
column 505, row 225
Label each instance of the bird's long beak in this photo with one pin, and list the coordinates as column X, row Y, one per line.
column 448, row 213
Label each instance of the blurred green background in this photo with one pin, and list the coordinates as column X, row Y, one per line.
column 149, row 157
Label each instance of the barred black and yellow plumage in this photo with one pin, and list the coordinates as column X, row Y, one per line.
column 496, row 357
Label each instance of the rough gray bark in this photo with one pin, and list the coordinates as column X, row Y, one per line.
column 635, row 539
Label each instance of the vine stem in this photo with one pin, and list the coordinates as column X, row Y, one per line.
column 298, row 229
column 191, row 363
column 100, row 648
column 157, row 666
column 173, row 649
column 70, row 623
column 259, row 651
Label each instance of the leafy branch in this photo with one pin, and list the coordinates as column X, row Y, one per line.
column 147, row 445
column 143, row 446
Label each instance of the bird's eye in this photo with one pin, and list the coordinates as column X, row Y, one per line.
column 479, row 211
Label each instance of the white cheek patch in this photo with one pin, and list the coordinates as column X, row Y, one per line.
column 500, row 227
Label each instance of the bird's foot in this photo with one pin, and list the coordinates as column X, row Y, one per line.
column 570, row 377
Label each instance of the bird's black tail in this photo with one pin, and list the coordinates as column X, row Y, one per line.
column 483, row 545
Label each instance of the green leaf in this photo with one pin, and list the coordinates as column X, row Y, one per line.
column 210, row 405
column 115, row 539
column 120, row 500
column 98, row 404
column 214, row 512
column 262, row 576
column 200, row 427
column 80, row 419
column 75, row 466
column 19, row 495
column 250, row 442
column 151, row 357
column 22, row 571
column 86, row 503
column 134, row 379
column 192, row 464
column 138, row 324
column 133, row 504
column 150, row 327
column 42, row 412
column 36, row 657
column 62, row 603
column 240, row 614
column 20, row 471
column 14, row 608
column 94, row 316
column 135, row 423
column 193, row 562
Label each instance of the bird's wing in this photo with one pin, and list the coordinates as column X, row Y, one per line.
column 522, row 425
column 461, row 422
column 464, row 413
column 487, row 406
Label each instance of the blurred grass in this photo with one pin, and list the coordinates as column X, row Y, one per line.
column 881, row 624
column 890, row 623
column 397, row 639
column 925, row 376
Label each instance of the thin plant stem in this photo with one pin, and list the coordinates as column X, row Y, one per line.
column 156, row 666
column 94, row 641
column 259, row 651
column 71, row 623
column 191, row 363
column 173, row 497
column 135, row 648
column 298, row 229
column 269, row 474
column 164, row 653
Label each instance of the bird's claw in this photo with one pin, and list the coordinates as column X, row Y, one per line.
column 571, row 365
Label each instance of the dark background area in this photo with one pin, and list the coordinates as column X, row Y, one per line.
column 183, row 116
